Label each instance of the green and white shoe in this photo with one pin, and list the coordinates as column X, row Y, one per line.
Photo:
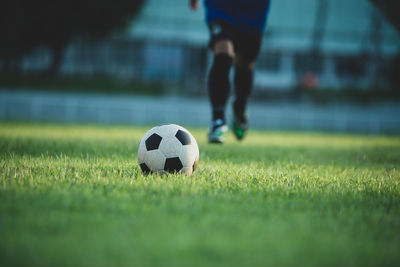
column 240, row 126
column 217, row 132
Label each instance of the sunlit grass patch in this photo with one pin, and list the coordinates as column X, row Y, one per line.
column 74, row 195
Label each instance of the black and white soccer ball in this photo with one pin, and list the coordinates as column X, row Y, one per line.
column 168, row 149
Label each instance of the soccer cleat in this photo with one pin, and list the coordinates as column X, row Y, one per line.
column 217, row 131
column 240, row 126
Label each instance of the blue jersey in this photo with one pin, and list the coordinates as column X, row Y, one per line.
column 248, row 16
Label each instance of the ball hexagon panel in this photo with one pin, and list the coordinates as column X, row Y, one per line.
column 167, row 130
column 153, row 142
column 173, row 165
column 141, row 151
column 154, row 160
column 170, row 147
column 188, row 155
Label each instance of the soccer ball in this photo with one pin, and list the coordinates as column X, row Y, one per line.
column 168, row 149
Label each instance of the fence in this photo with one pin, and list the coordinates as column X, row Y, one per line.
column 185, row 65
column 339, row 117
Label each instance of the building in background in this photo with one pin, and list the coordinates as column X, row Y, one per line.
column 332, row 44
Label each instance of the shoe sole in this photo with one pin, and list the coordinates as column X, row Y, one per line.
column 216, row 140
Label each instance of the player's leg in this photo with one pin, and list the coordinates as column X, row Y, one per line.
column 247, row 48
column 219, row 87
column 218, row 78
column 243, row 81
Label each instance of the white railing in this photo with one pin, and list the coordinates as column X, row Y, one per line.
column 103, row 109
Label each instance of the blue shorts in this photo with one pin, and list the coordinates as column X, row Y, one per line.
column 246, row 45
column 247, row 16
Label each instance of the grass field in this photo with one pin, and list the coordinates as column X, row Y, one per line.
column 75, row 196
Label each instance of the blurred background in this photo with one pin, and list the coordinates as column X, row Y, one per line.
column 325, row 65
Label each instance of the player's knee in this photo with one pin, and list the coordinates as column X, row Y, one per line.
column 221, row 65
column 224, row 47
column 244, row 63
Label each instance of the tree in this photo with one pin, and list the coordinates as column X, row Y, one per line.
column 27, row 24
column 14, row 24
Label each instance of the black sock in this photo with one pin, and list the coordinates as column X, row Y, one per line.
column 243, row 85
column 219, row 85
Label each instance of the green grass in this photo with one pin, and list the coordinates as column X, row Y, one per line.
column 75, row 196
